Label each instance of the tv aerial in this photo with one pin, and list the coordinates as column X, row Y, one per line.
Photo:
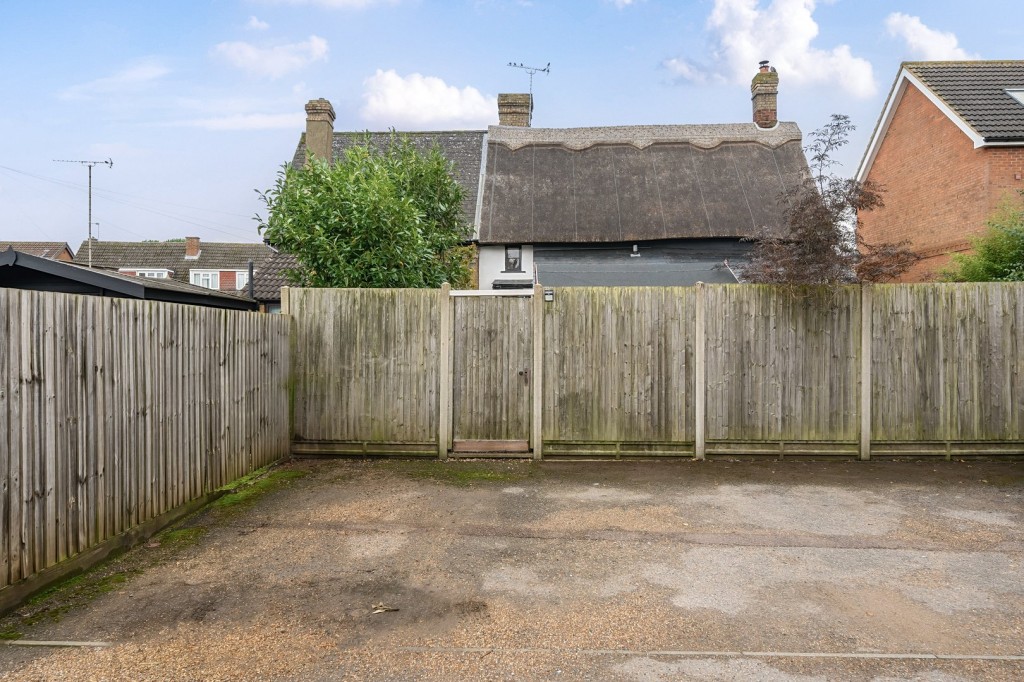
column 531, row 70
column 109, row 163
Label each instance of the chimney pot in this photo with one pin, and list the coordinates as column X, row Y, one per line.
column 515, row 109
column 192, row 247
column 319, row 129
column 764, row 96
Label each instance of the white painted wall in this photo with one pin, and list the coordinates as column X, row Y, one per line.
column 492, row 265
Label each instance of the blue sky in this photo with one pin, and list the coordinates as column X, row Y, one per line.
column 199, row 103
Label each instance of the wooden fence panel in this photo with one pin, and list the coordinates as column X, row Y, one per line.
column 782, row 364
column 366, row 366
column 948, row 362
column 493, row 359
column 782, row 369
column 618, row 368
column 105, row 415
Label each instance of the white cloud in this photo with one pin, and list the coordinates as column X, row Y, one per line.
column 417, row 101
column 129, row 79
column 623, row 3
column 255, row 24
column 275, row 61
column 339, row 4
column 923, row 42
column 782, row 32
column 294, row 121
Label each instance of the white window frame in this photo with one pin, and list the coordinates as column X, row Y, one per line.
column 509, row 258
column 151, row 273
column 241, row 279
column 211, row 277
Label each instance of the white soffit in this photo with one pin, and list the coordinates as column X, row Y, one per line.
column 895, row 97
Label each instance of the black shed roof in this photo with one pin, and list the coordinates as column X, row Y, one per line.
column 23, row 271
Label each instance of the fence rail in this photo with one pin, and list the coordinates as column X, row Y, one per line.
column 115, row 411
column 720, row 369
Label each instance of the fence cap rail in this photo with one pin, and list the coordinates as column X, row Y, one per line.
column 526, row 293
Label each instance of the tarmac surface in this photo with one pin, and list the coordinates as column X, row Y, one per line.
column 783, row 571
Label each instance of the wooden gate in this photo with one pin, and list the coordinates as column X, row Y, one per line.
column 492, row 349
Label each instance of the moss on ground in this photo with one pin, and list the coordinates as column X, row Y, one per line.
column 246, row 491
column 51, row 604
column 181, row 537
column 115, row 573
column 463, row 473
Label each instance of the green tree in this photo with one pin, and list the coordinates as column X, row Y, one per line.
column 998, row 253
column 382, row 216
column 818, row 243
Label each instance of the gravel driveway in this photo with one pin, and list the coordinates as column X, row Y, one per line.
column 768, row 570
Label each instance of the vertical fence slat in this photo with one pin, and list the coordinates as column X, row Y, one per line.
column 114, row 411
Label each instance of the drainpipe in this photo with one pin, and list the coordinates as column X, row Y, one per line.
column 252, row 287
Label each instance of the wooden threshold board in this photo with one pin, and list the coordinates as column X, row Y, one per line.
column 490, row 446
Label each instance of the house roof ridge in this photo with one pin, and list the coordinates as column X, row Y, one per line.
column 703, row 135
column 479, row 131
column 963, row 62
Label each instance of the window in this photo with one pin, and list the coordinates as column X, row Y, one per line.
column 209, row 279
column 513, row 259
column 241, row 279
column 152, row 273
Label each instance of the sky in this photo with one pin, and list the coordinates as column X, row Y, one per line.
column 199, row 103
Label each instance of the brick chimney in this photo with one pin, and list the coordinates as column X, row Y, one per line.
column 192, row 247
column 319, row 129
column 764, row 95
column 515, row 109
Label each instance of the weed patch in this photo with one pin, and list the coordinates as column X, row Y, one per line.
column 246, row 492
column 53, row 603
column 180, row 537
column 463, row 473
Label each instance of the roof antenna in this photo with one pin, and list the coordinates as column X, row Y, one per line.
column 531, row 70
column 108, row 163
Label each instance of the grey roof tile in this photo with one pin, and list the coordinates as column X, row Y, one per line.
column 41, row 249
column 271, row 275
column 976, row 91
column 171, row 255
column 462, row 147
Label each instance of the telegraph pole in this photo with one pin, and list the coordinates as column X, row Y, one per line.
column 109, row 163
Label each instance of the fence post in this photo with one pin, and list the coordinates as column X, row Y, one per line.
column 537, row 421
column 444, row 391
column 699, row 380
column 865, row 371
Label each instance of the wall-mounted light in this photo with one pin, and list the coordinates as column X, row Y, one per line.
column 549, row 295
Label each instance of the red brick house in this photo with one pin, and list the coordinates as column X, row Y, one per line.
column 222, row 266
column 947, row 148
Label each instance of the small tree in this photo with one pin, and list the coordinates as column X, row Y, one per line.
column 999, row 252
column 386, row 216
column 819, row 244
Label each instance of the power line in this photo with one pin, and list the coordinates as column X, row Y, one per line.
column 101, row 193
